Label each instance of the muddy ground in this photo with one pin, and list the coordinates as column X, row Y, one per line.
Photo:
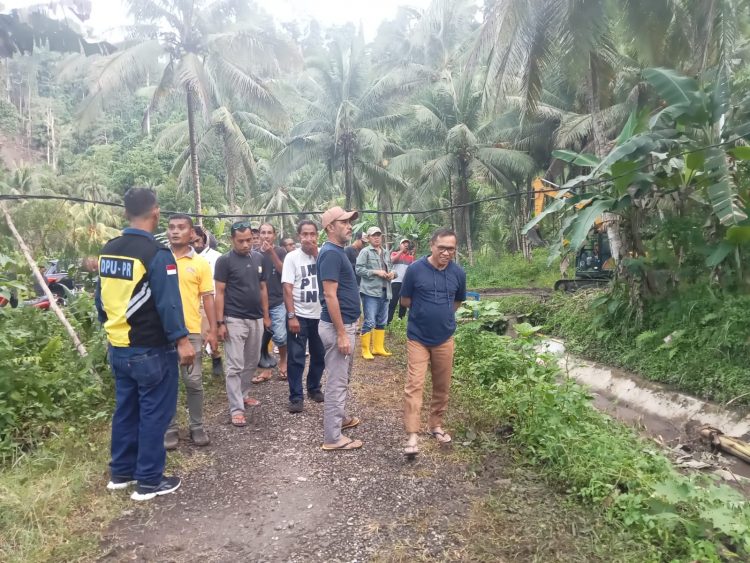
column 267, row 492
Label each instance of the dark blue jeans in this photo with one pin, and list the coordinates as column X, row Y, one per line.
column 145, row 402
column 295, row 350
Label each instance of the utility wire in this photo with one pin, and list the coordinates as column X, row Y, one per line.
column 21, row 197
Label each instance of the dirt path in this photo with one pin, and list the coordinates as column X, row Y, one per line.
column 268, row 493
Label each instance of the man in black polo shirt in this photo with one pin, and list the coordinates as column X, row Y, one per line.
column 242, row 314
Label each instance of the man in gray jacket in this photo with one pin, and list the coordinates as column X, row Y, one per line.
column 376, row 272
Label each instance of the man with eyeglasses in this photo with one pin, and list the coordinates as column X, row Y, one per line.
column 340, row 309
column 241, row 316
column 433, row 288
column 196, row 287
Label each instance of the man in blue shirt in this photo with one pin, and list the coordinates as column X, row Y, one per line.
column 339, row 314
column 138, row 301
column 433, row 288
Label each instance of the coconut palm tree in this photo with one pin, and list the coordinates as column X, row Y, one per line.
column 229, row 133
column 209, row 54
column 346, row 119
column 457, row 142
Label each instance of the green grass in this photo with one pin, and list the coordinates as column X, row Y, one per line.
column 696, row 341
column 53, row 501
column 512, row 271
column 550, row 421
column 53, row 505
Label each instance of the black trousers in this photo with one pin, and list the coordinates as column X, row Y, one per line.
column 396, row 292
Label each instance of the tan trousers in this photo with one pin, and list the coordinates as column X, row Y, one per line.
column 440, row 360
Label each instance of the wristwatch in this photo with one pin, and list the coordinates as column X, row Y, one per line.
column 290, row 316
column 220, row 323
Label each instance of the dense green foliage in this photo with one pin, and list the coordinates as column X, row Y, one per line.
column 699, row 342
column 44, row 385
column 551, row 421
column 512, row 271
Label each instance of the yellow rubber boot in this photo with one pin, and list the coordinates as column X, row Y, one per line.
column 378, row 343
column 366, row 354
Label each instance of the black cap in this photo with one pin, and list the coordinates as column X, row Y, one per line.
column 139, row 201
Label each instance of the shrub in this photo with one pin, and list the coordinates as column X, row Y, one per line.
column 43, row 380
column 513, row 270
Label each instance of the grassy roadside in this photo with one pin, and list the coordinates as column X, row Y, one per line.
column 697, row 342
column 517, row 513
column 513, row 399
column 53, row 502
column 52, row 505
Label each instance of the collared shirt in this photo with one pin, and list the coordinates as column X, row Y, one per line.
column 138, row 295
column 273, row 283
column 194, row 275
column 368, row 262
column 433, row 293
column 242, row 276
column 333, row 265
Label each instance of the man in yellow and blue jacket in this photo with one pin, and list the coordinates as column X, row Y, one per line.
column 138, row 301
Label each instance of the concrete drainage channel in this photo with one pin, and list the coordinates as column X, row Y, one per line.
column 672, row 419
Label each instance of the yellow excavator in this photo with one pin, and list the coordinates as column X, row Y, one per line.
column 594, row 264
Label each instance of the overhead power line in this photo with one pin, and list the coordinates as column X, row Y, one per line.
column 22, row 197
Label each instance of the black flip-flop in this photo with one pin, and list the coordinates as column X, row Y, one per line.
column 411, row 451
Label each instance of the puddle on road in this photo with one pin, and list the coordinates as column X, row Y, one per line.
column 669, row 416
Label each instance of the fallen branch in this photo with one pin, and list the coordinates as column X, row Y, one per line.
column 733, row 446
column 43, row 283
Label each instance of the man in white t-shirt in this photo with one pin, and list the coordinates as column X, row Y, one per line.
column 299, row 279
column 202, row 244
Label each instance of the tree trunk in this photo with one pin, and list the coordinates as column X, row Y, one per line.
column 43, row 284
column 450, row 202
column 49, row 156
column 194, row 154
column 611, row 221
column 463, row 229
column 348, row 172
column 148, row 107
column 53, row 141
column 30, row 129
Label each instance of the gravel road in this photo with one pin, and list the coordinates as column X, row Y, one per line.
column 267, row 492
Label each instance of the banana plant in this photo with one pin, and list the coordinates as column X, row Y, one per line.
column 683, row 150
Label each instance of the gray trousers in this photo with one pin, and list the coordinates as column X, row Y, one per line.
column 338, row 369
column 242, row 351
column 192, row 377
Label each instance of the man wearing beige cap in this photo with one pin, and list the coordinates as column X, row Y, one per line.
column 340, row 310
column 376, row 272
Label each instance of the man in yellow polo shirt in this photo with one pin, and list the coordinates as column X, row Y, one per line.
column 196, row 283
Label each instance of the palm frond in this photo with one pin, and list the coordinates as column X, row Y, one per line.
column 248, row 87
column 191, row 74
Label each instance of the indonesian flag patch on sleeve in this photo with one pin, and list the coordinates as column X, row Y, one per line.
column 171, row 269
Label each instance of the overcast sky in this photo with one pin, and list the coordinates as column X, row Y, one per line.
column 109, row 14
